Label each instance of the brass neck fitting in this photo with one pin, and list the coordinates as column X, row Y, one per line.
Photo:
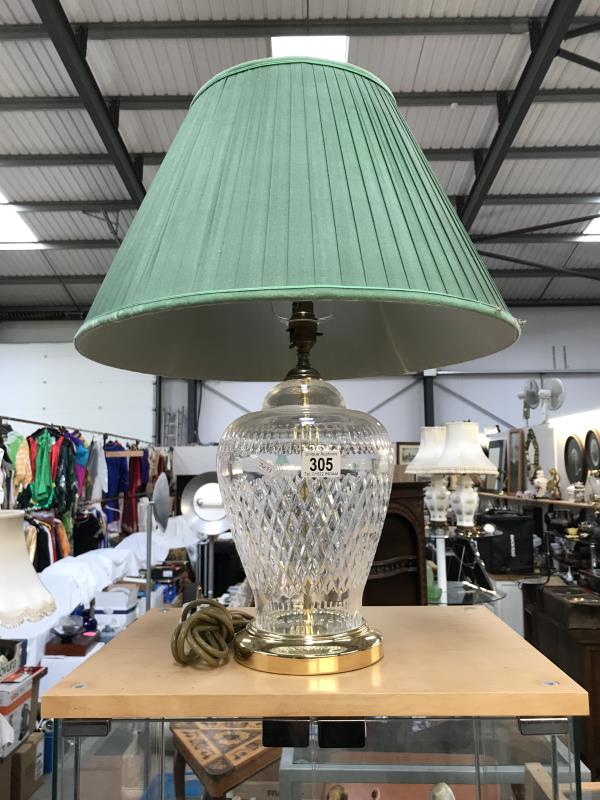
column 303, row 329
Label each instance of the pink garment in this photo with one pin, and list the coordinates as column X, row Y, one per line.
column 80, row 472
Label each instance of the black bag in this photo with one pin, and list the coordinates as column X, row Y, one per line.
column 512, row 551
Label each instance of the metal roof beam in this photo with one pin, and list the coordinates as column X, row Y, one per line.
column 433, row 154
column 62, row 244
column 50, row 280
column 211, row 29
column 567, row 302
column 555, row 27
column 541, row 238
column 73, row 159
column 98, row 206
column 544, row 226
column 582, row 30
column 104, row 244
column 73, row 102
column 406, row 99
column 539, row 269
column 15, row 313
column 86, row 206
column 540, row 199
column 68, row 47
column 528, row 272
column 96, row 280
column 589, row 63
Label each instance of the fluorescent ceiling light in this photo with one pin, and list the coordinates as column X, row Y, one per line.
column 593, row 227
column 333, row 48
column 13, row 227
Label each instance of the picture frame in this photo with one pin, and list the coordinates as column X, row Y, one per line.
column 497, row 455
column 405, row 452
column 532, row 456
column 515, row 461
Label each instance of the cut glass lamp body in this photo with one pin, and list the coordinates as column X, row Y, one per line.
column 306, row 538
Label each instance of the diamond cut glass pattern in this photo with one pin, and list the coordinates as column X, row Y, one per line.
column 306, row 543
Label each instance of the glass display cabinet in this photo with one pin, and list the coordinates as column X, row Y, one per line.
column 460, row 706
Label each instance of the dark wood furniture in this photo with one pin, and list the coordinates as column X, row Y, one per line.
column 577, row 652
column 398, row 576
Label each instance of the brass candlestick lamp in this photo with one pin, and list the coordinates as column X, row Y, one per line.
column 296, row 181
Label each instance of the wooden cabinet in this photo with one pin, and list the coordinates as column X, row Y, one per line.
column 398, row 576
column 577, row 652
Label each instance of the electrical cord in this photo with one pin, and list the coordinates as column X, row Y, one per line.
column 205, row 631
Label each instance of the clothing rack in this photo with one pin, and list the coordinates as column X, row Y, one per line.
column 74, row 427
column 94, row 500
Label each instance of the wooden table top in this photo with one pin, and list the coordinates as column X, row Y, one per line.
column 438, row 662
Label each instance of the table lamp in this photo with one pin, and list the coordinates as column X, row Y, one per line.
column 23, row 597
column 463, row 456
column 294, row 191
column 437, row 496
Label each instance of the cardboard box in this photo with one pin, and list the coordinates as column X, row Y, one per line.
column 19, row 694
column 5, row 773
column 28, row 767
column 15, row 653
column 117, row 606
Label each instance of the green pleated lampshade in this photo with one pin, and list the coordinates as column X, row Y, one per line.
column 294, row 179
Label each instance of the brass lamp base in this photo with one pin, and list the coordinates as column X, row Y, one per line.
column 302, row 655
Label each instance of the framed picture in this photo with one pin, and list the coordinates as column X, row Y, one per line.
column 497, row 455
column 516, row 461
column 531, row 456
column 405, row 452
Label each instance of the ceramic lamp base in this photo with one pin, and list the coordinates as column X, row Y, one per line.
column 437, row 500
column 315, row 655
column 465, row 501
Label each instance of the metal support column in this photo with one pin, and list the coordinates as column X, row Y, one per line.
column 428, row 402
column 192, row 412
column 158, row 410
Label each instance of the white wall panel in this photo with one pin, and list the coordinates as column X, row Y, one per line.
column 396, row 402
column 552, row 339
column 488, row 400
column 51, row 382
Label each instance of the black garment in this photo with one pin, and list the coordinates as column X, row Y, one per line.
column 42, row 548
column 87, row 535
column 65, row 493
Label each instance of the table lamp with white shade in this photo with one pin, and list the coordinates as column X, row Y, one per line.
column 463, row 456
column 437, row 496
column 23, row 597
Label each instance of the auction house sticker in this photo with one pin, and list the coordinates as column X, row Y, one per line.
column 321, row 462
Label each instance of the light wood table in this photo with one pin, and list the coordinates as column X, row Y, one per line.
column 438, row 662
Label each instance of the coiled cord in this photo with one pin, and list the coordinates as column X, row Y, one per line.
column 205, row 631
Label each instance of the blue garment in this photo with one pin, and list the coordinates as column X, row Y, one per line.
column 145, row 473
column 118, row 479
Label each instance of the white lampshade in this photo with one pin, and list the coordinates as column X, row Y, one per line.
column 23, row 597
column 430, row 449
column 462, row 453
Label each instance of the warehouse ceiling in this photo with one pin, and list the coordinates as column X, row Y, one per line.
column 502, row 95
